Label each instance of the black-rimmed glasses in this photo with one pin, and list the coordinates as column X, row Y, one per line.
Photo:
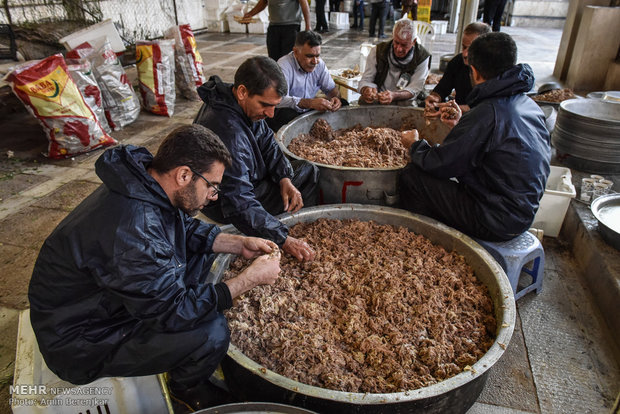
column 215, row 187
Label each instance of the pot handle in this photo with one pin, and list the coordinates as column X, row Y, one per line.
column 388, row 199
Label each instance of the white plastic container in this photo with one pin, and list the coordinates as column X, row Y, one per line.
column 364, row 52
column 345, row 93
column 101, row 29
column 37, row 390
column 555, row 201
column 339, row 21
column 440, row 26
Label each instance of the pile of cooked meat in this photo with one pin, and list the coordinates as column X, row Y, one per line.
column 379, row 310
column 367, row 147
column 556, row 95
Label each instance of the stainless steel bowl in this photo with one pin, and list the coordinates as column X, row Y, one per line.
column 250, row 381
column 254, row 408
column 606, row 209
column 355, row 184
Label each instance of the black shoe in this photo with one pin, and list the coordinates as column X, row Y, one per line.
column 354, row 26
column 198, row 397
column 382, row 36
column 361, row 28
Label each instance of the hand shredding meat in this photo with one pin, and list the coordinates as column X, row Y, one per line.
column 379, row 310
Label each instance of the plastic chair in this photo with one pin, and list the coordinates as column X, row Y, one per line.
column 425, row 34
column 514, row 256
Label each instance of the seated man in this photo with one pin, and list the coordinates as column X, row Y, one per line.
column 395, row 70
column 457, row 75
column 499, row 151
column 119, row 287
column 261, row 182
column 305, row 74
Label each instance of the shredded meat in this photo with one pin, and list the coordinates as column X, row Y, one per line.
column 353, row 147
column 379, row 310
column 322, row 130
column 556, row 95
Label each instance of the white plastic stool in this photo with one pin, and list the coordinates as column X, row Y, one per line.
column 514, row 256
column 37, row 390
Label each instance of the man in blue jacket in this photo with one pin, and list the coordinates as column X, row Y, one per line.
column 498, row 153
column 119, row 287
column 261, row 182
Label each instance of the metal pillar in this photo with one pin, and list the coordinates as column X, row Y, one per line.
column 467, row 14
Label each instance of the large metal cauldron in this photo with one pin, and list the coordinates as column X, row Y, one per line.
column 354, row 184
column 251, row 382
column 587, row 135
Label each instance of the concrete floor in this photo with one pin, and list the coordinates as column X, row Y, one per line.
column 563, row 356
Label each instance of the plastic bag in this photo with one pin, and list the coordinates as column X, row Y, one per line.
column 188, row 62
column 51, row 95
column 82, row 74
column 121, row 104
column 155, row 62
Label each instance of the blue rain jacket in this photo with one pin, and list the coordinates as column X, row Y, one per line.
column 500, row 150
column 115, row 265
column 256, row 157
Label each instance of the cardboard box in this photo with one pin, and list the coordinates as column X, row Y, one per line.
column 104, row 28
column 554, row 203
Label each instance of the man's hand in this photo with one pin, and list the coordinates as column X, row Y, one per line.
column 409, row 137
column 264, row 270
column 450, row 113
column 336, row 104
column 319, row 104
column 431, row 109
column 385, row 97
column 369, row 95
column 254, row 246
column 291, row 197
column 298, row 249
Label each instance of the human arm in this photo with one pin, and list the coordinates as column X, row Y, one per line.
column 416, row 83
column 291, row 197
column 461, row 151
column 305, row 10
column 367, row 85
column 260, row 6
column 264, row 270
column 248, row 247
column 450, row 113
column 298, row 249
column 409, row 137
column 387, row 97
column 430, row 105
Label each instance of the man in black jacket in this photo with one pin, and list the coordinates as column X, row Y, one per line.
column 261, row 182
column 457, row 75
column 489, row 175
column 120, row 286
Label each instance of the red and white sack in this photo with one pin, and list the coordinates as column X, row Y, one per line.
column 82, row 74
column 121, row 104
column 155, row 63
column 50, row 94
column 188, row 62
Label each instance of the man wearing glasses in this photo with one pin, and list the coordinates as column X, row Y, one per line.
column 119, row 287
column 261, row 182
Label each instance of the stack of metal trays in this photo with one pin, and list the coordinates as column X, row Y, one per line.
column 587, row 135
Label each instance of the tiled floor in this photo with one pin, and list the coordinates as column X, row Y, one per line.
column 561, row 357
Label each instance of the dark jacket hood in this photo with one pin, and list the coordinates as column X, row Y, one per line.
column 123, row 170
column 218, row 95
column 516, row 80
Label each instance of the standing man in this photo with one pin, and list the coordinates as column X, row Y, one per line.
column 119, row 288
column 395, row 70
column 261, row 182
column 284, row 23
column 321, row 22
column 378, row 9
column 305, row 74
column 457, row 76
column 498, row 152
column 493, row 11
column 358, row 9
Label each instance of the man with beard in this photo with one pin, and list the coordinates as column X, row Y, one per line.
column 119, row 287
column 261, row 182
column 487, row 177
column 305, row 74
column 395, row 70
column 457, row 74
